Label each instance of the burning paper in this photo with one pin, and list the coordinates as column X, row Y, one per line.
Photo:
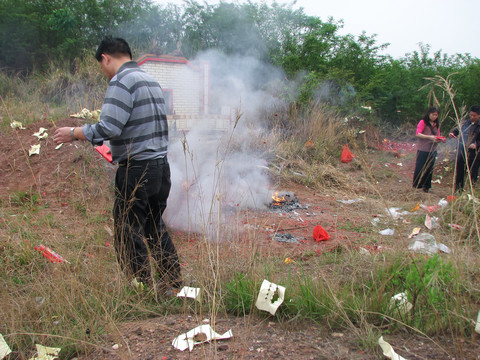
column 388, row 350
column 41, row 133
column 4, row 348
column 270, row 297
column 189, row 292
column 46, row 353
column 35, row 149
column 16, row 125
column 198, row 335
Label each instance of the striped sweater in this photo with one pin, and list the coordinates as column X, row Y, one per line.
column 133, row 117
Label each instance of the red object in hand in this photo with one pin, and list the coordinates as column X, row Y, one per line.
column 441, row 138
column 104, row 150
column 320, row 234
column 49, row 254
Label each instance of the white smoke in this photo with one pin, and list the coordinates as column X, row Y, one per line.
column 217, row 173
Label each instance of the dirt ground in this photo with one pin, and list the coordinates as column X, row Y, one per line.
column 253, row 337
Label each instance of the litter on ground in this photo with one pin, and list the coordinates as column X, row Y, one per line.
column 198, row 335
column 427, row 244
column 189, row 292
column 4, row 348
column 270, row 297
column 46, row 353
column 388, row 350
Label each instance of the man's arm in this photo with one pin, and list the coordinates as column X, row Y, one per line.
column 67, row 134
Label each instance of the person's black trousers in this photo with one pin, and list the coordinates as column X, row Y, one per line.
column 142, row 189
column 422, row 176
column 473, row 161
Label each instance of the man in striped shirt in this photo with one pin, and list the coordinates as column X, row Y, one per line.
column 134, row 120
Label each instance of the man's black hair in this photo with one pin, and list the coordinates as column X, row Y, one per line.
column 112, row 46
column 475, row 109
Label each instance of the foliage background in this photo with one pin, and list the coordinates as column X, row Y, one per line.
column 36, row 36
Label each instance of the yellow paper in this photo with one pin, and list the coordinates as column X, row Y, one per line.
column 46, row 353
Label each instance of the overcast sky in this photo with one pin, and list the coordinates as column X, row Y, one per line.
column 451, row 26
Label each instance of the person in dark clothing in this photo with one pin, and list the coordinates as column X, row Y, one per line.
column 134, row 120
column 468, row 158
column 428, row 137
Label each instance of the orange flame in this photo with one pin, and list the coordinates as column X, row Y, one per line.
column 277, row 198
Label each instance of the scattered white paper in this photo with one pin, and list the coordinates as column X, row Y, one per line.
column 58, row 146
column 265, row 297
column 444, row 248
column 387, row 232
column 395, row 213
column 41, row 134
column 16, row 125
column 443, row 203
column 87, row 114
column 198, row 335
column 35, row 149
column 4, row 348
column 427, row 244
column 415, row 231
column 189, row 292
column 431, row 222
column 46, row 353
column 351, row 201
column 477, row 326
column 400, row 303
column 388, row 350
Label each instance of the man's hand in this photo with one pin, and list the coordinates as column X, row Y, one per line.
column 62, row 135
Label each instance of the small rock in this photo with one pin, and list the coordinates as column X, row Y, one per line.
column 223, row 347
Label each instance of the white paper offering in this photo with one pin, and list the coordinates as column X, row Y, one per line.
column 46, row 353
column 35, row 149
column 198, row 335
column 4, row 348
column 189, row 292
column 388, row 350
column 270, row 297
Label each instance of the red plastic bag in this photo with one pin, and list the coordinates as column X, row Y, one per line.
column 347, row 155
column 320, row 234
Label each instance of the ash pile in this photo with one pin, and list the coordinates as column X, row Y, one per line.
column 285, row 201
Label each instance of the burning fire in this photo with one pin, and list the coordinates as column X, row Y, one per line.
column 277, row 200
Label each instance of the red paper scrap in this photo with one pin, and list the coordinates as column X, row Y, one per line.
column 49, row 254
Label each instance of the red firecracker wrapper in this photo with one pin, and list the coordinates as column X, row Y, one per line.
column 49, row 254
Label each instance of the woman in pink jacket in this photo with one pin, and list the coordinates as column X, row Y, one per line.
column 428, row 137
